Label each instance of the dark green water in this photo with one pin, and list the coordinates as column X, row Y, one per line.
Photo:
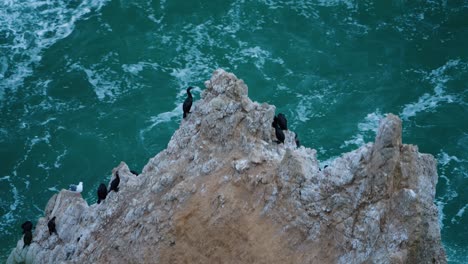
column 87, row 84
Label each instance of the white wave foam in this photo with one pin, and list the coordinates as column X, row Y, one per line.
column 102, row 84
column 443, row 200
column 59, row 158
column 426, row 102
column 105, row 82
column 135, row 69
column 307, row 106
column 462, row 211
column 4, row 178
column 444, row 158
column 9, row 217
column 302, row 110
column 258, row 55
column 185, row 76
column 53, row 189
column 161, row 118
column 456, row 254
column 166, row 116
column 348, row 3
column 371, row 122
column 356, row 140
column 459, row 215
column 440, row 208
column 194, row 64
column 48, row 120
column 429, row 102
column 36, row 139
column 30, row 27
column 169, row 116
column 308, row 9
column 43, row 166
column 368, row 128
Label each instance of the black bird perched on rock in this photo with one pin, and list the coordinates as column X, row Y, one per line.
column 279, row 134
column 51, row 226
column 27, row 231
column 188, row 102
column 27, row 226
column 298, row 144
column 115, row 183
column 275, row 121
column 102, row 192
column 27, row 239
column 282, row 122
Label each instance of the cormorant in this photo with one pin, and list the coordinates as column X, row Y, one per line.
column 102, row 192
column 282, row 122
column 279, row 134
column 27, row 239
column 27, row 226
column 115, row 183
column 51, row 226
column 275, row 121
column 188, row 102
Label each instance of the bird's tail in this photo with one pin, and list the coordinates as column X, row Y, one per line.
column 99, row 201
column 185, row 115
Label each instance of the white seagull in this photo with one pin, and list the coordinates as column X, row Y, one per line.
column 76, row 188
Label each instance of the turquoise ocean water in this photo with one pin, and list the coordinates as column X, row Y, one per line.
column 85, row 84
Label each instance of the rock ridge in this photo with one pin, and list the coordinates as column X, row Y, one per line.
column 224, row 192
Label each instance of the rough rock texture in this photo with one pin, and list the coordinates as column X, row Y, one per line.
column 224, row 192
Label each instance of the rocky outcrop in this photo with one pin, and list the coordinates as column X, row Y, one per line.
column 224, row 192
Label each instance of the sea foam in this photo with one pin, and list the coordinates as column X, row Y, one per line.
column 29, row 27
column 428, row 102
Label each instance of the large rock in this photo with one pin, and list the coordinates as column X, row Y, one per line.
column 224, row 192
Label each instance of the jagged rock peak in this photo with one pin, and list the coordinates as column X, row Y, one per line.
column 389, row 133
column 226, row 83
column 223, row 191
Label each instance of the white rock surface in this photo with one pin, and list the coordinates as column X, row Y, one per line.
column 224, row 192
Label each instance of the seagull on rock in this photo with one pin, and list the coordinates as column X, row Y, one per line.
column 76, row 188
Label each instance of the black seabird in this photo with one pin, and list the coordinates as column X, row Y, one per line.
column 275, row 121
column 102, row 192
column 115, row 183
column 27, row 226
column 188, row 102
column 279, row 134
column 282, row 122
column 298, row 144
column 51, row 226
column 27, row 239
